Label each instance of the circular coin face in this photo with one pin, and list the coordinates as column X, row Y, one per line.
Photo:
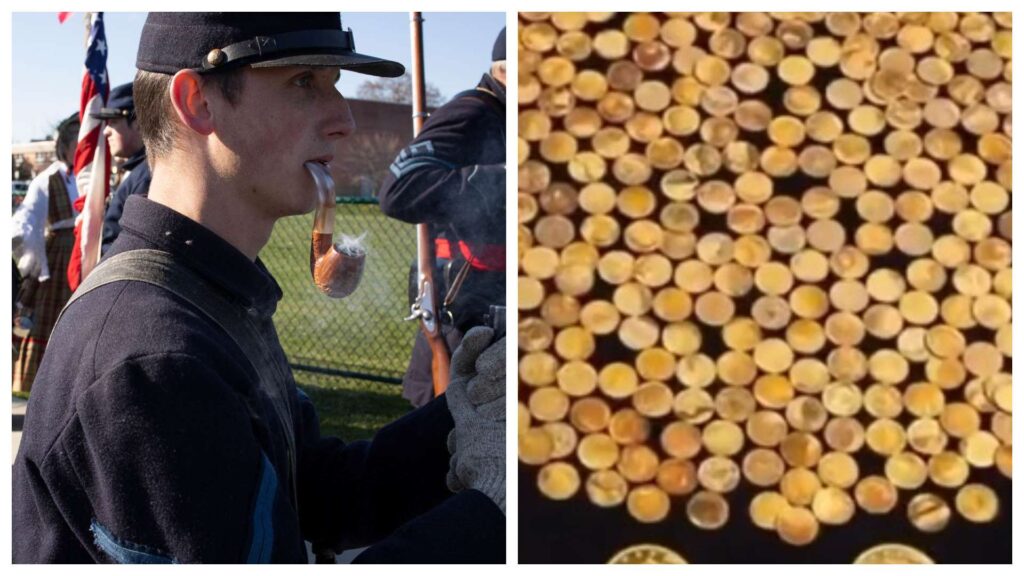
column 646, row 554
column 893, row 554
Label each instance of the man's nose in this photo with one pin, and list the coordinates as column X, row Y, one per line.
column 342, row 123
column 108, row 131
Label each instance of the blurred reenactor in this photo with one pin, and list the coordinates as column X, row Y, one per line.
column 43, row 241
column 125, row 141
column 452, row 176
column 166, row 426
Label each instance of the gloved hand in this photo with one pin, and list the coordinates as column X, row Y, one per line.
column 476, row 400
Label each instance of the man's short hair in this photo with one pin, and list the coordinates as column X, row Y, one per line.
column 155, row 113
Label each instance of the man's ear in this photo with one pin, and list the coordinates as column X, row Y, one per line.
column 190, row 103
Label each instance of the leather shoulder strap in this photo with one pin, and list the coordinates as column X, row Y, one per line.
column 161, row 269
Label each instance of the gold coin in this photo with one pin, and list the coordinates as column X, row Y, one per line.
column 707, row 510
column 655, row 364
column 599, row 317
column 960, row 419
column 681, row 440
column 948, row 469
column 928, row 512
column 718, row 474
column 524, row 418
column 906, row 470
column 653, row 399
column 800, row 449
column 773, row 391
column 722, row 438
column 627, row 426
column 647, row 503
column 767, row 428
column 1004, row 460
column 735, row 404
column 548, row 404
column 574, row 343
column 844, row 434
column 833, row 506
column 677, row 477
column 563, row 438
column 977, row 503
column 535, row 335
column 799, row 485
column 606, row 488
column 796, row 525
column 646, row 554
column 875, row 495
column 979, row 449
column 924, row 400
column 806, row 414
column 617, row 380
column 773, row 355
column 538, row 369
column 560, row 310
column 893, row 554
column 597, row 451
column 842, row 399
column 590, row 414
column 765, row 509
column 558, row 481
column 638, row 463
column 838, row 469
column 535, row 446
column 925, row 436
column 763, row 467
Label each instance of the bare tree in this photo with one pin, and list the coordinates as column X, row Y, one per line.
column 397, row 90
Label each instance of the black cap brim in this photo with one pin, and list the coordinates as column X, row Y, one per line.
column 108, row 114
column 354, row 61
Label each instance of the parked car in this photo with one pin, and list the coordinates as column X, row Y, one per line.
column 18, row 191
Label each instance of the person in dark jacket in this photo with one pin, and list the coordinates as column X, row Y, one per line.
column 125, row 141
column 452, row 176
column 172, row 430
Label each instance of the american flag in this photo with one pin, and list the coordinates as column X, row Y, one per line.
column 92, row 159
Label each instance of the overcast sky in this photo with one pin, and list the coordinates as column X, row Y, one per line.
column 48, row 57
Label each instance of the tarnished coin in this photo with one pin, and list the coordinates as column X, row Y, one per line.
column 707, row 510
column 646, row 554
column 893, row 554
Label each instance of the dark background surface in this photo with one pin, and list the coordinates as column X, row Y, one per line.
column 577, row 531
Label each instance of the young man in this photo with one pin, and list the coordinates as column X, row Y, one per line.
column 452, row 176
column 42, row 243
column 125, row 141
column 172, row 430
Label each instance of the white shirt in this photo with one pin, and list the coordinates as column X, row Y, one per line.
column 30, row 221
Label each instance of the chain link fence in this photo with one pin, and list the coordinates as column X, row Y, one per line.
column 364, row 335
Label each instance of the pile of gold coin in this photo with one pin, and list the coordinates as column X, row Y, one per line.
column 771, row 249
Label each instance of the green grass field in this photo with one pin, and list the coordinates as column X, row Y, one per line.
column 363, row 333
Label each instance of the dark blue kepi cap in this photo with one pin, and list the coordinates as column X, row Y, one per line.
column 498, row 52
column 120, row 103
column 214, row 41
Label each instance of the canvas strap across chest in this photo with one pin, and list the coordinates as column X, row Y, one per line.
column 161, row 269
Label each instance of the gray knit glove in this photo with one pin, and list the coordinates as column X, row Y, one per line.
column 476, row 400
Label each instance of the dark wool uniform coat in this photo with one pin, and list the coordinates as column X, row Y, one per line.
column 452, row 176
column 138, row 446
